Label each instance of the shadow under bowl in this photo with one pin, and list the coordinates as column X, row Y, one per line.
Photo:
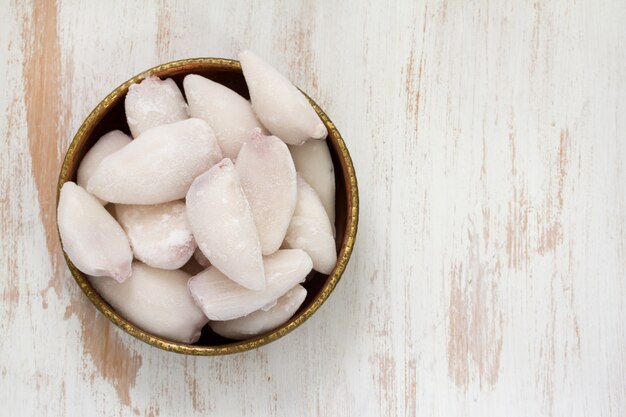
column 109, row 115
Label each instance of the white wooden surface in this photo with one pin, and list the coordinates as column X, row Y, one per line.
column 489, row 272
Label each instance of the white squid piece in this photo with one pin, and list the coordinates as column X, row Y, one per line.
column 159, row 234
column 158, row 166
column 278, row 104
column 311, row 231
column 222, row 299
column 154, row 102
column 92, row 239
column 222, row 223
column 157, row 301
column 105, row 146
column 268, row 179
column 229, row 115
column 260, row 321
column 312, row 160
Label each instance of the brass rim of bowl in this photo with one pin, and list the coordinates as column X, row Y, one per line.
column 172, row 68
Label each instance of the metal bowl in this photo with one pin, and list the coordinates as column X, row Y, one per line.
column 109, row 115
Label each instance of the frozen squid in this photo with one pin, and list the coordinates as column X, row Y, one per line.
column 92, row 239
column 220, row 298
column 222, row 223
column 105, row 146
column 268, row 179
column 278, row 104
column 229, row 115
column 261, row 321
column 158, row 166
column 157, row 301
column 154, row 102
column 313, row 162
column 159, row 234
column 311, row 231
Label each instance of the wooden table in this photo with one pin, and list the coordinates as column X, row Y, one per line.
column 488, row 277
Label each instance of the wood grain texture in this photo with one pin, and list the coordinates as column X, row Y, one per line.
column 488, row 275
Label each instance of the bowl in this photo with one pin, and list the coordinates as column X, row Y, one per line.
column 109, row 115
